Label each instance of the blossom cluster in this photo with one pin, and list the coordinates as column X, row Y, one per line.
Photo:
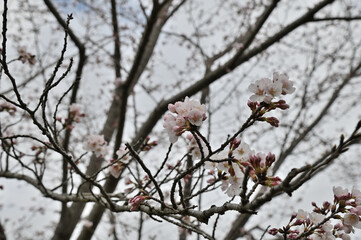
column 96, row 144
column 264, row 92
column 26, row 57
column 265, row 89
column 230, row 165
column 189, row 113
column 329, row 222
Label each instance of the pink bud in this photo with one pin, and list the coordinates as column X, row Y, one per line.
column 172, row 108
column 270, row 158
column 252, row 105
column 235, row 143
column 282, row 104
column 273, row 121
column 273, row 231
column 136, row 201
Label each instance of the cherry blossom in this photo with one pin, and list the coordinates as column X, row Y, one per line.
column 265, row 89
column 234, row 187
column 123, row 155
column 316, row 218
column 118, row 164
column 259, row 89
column 317, row 224
column 339, row 192
column 242, row 152
column 351, row 219
column 96, row 144
column 357, row 195
column 287, row 85
column 301, row 214
column 190, row 113
column 75, row 111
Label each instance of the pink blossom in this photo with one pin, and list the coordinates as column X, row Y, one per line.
column 327, row 227
column 189, row 112
column 273, row 231
column 274, row 89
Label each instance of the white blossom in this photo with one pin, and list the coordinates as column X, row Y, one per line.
column 339, row 191
column 301, row 214
column 122, row 153
column 234, row 188
column 242, row 152
column 316, row 218
column 351, row 219
column 96, row 144
column 265, row 89
column 287, row 85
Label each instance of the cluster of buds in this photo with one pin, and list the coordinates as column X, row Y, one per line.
column 189, row 113
column 7, row 107
column 148, row 145
column 75, row 115
column 345, row 211
column 119, row 163
column 259, row 166
column 96, row 144
column 26, row 57
column 231, row 166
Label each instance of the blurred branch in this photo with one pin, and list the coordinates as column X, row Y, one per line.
column 2, row 232
column 336, row 19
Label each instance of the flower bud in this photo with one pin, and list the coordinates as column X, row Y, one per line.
column 273, row 231
column 270, row 158
column 273, row 121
